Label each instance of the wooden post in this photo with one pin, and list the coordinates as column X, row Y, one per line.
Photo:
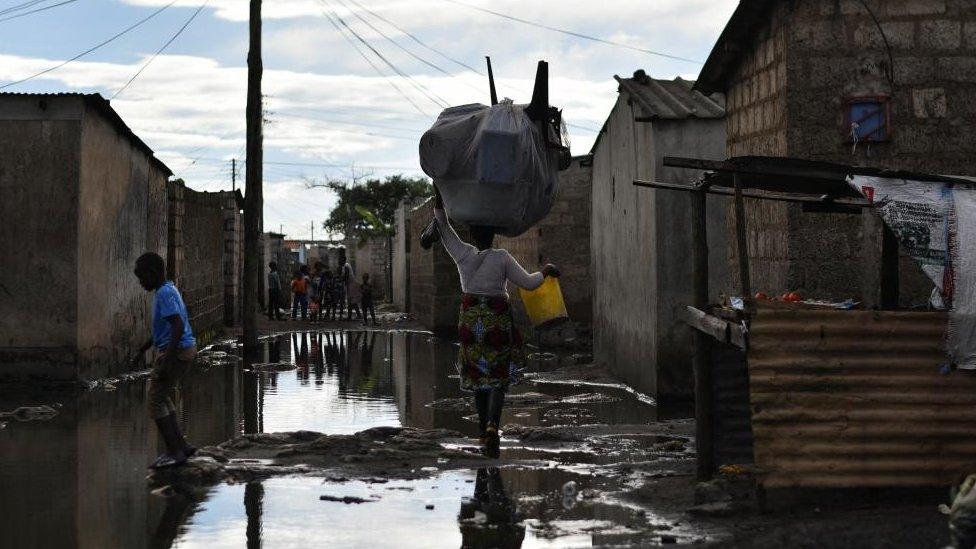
column 701, row 357
column 253, row 199
column 889, row 268
column 879, row 278
column 742, row 243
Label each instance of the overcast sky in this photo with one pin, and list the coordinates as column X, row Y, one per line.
column 325, row 103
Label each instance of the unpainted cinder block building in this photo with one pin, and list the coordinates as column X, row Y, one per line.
column 885, row 83
column 640, row 237
column 81, row 197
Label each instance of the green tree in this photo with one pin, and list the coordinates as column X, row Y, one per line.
column 368, row 208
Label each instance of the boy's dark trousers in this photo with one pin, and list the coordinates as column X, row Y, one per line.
column 274, row 304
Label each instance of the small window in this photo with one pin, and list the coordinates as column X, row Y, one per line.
column 867, row 119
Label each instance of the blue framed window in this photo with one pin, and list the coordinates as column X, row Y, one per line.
column 867, row 118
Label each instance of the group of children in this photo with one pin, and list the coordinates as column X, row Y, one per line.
column 323, row 295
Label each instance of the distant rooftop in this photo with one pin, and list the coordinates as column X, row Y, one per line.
column 671, row 99
column 102, row 105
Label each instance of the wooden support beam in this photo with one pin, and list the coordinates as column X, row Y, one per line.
column 701, row 358
column 742, row 243
column 721, row 330
column 764, row 195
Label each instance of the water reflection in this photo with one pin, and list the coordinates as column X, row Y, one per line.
column 490, row 518
column 78, row 480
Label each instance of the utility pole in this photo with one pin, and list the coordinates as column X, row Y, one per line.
column 233, row 174
column 253, row 201
column 311, row 225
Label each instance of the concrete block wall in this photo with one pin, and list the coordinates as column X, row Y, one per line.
column 233, row 258
column 372, row 256
column 196, row 254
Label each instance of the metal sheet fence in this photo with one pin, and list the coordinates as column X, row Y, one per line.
column 856, row 398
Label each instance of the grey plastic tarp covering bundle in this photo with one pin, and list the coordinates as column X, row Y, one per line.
column 493, row 165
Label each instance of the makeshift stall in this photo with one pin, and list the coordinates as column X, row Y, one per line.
column 817, row 396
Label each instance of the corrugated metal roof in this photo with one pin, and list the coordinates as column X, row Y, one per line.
column 856, row 398
column 740, row 31
column 671, row 99
column 102, row 105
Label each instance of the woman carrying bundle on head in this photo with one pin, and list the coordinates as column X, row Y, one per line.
column 491, row 355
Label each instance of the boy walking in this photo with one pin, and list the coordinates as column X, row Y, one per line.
column 366, row 298
column 274, row 292
column 175, row 350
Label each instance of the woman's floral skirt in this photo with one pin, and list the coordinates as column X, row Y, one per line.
column 491, row 353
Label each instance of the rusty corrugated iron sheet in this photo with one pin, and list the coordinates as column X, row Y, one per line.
column 856, row 398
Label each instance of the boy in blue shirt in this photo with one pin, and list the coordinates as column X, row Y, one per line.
column 175, row 350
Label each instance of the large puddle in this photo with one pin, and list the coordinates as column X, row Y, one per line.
column 79, row 479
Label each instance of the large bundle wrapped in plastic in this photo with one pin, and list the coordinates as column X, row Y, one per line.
column 494, row 165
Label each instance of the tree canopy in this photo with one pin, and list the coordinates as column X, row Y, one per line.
column 370, row 206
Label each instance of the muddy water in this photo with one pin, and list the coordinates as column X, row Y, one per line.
column 78, row 479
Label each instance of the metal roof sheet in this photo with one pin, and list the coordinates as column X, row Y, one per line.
column 671, row 99
column 734, row 42
column 102, row 105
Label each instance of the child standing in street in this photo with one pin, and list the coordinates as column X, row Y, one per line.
column 366, row 299
column 274, row 292
column 299, row 288
column 175, row 350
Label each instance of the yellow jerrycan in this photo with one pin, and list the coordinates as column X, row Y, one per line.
column 545, row 303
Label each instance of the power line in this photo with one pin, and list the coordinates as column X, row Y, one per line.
column 160, row 50
column 401, row 47
column 19, row 7
column 375, row 68
column 572, row 33
column 86, row 52
column 384, row 35
column 415, row 39
column 37, row 10
column 420, row 87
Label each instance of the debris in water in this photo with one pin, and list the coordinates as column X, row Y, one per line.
column 570, row 489
column 30, row 413
column 347, row 499
column 429, row 506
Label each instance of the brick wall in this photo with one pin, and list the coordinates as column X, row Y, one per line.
column 787, row 98
column 195, row 254
column 233, row 258
column 435, row 288
column 372, row 256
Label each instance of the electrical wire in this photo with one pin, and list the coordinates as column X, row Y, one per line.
column 23, row 6
column 395, row 43
column 45, row 8
column 572, row 33
column 417, row 40
column 440, row 102
column 89, row 50
column 160, row 50
column 375, row 68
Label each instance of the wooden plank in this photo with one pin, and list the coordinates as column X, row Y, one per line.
column 764, row 195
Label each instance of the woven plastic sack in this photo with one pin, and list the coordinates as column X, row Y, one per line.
column 493, row 165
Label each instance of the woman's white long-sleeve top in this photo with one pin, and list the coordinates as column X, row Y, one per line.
column 483, row 272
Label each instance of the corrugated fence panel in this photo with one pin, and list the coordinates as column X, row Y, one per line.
column 732, row 432
column 856, row 398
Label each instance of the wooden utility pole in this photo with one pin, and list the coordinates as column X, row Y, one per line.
column 701, row 358
column 233, row 174
column 253, row 200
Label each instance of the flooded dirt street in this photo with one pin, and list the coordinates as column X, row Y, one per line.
column 373, row 445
